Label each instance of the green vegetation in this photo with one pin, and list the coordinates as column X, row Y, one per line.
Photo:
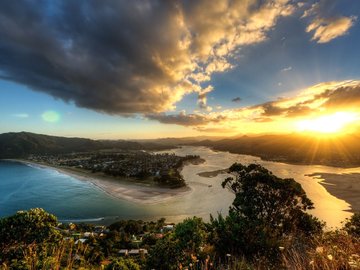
column 267, row 228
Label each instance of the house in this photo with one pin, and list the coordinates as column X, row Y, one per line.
column 168, row 227
column 123, row 252
column 140, row 251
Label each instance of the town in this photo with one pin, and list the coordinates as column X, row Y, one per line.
column 162, row 169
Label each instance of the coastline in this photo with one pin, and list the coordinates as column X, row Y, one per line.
column 345, row 186
column 118, row 188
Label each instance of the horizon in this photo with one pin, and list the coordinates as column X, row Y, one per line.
column 173, row 70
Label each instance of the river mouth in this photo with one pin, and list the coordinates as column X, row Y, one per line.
column 330, row 206
column 23, row 187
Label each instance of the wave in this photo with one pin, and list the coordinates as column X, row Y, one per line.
column 79, row 220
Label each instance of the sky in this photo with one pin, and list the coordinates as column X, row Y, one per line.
column 147, row 69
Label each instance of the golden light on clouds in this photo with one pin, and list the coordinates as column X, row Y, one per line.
column 332, row 123
column 326, row 108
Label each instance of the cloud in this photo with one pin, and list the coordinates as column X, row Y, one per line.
column 221, row 130
column 280, row 114
column 345, row 96
column 183, row 119
column 325, row 30
column 325, row 97
column 126, row 57
column 237, row 99
column 324, row 24
column 286, row 69
column 21, row 115
column 202, row 98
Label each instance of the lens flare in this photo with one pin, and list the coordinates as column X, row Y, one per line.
column 50, row 116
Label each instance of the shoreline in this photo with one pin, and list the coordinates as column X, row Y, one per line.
column 344, row 186
column 118, row 188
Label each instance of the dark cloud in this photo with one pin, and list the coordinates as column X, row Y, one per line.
column 270, row 109
column 345, row 96
column 127, row 56
column 184, row 119
column 102, row 55
column 237, row 99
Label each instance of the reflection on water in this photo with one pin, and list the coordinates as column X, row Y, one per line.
column 327, row 207
column 23, row 187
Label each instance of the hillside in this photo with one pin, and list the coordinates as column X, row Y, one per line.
column 15, row 145
column 295, row 148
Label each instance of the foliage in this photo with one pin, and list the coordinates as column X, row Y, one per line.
column 352, row 226
column 165, row 255
column 33, row 226
column 123, row 264
column 191, row 234
column 128, row 226
column 267, row 211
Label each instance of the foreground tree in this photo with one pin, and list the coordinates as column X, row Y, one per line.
column 165, row 255
column 29, row 227
column 123, row 264
column 267, row 212
column 27, row 233
column 191, row 234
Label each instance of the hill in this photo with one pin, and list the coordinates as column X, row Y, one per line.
column 341, row 150
column 21, row 144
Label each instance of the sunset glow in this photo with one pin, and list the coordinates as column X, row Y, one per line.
column 333, row 123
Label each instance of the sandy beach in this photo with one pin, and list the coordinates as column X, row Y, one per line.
column 136, row 192
column 343, row 186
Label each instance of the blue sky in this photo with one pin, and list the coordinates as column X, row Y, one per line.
column 82, row 78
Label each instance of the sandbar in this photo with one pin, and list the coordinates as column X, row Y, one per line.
column 212, row 174
column 345, row 186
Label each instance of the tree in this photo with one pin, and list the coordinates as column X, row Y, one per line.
column 34, row 230
column 191, row 234
column 165, row 255
column 266, row 211
column 123, row 264
column 352, row 226
column 27, row 227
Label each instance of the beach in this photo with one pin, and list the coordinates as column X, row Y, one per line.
column 123, row 188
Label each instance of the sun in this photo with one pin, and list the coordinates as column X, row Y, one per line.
column 332, row 123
